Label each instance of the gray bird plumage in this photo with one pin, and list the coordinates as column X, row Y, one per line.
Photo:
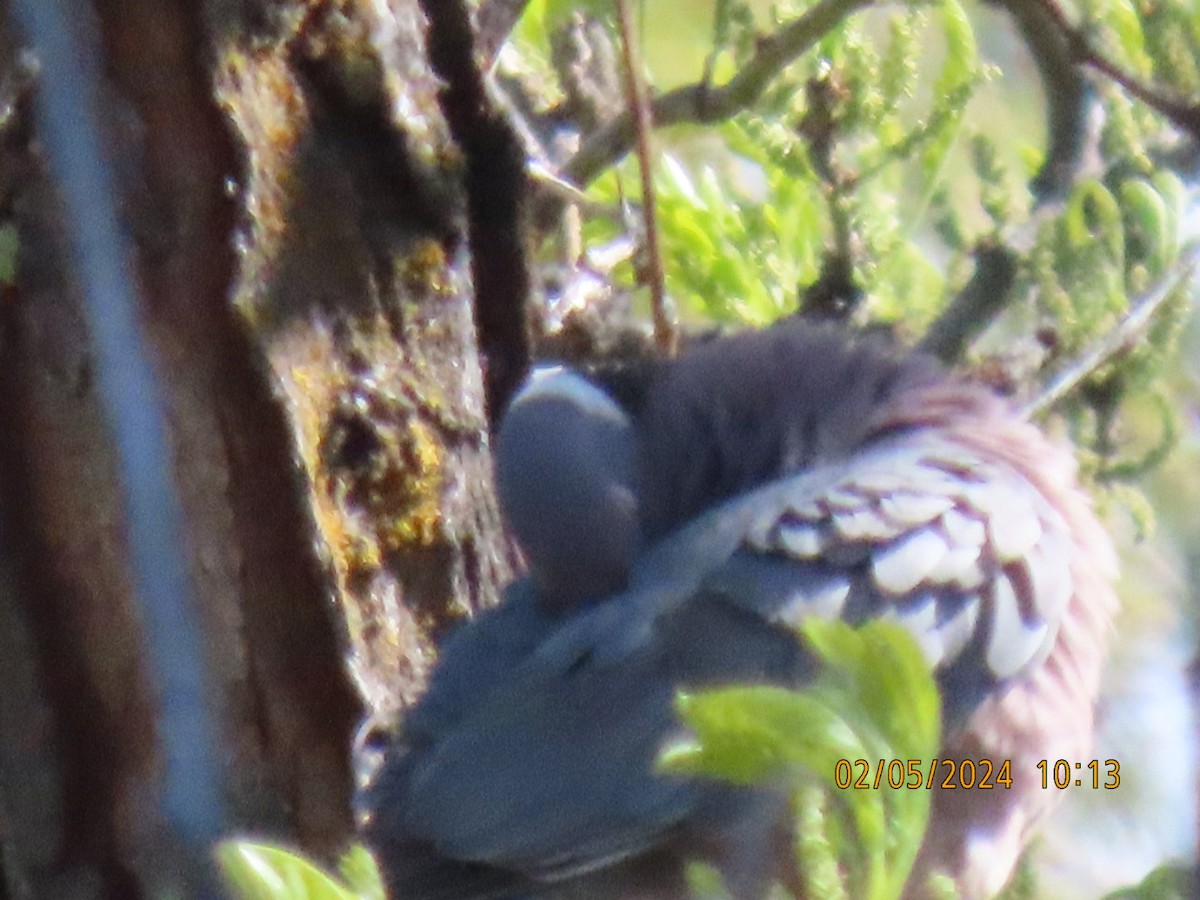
column 773, row 476
column 566, row 472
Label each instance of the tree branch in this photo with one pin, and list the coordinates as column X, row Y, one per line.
column 1183, row 114
column 1067, row 95
column 985, row 295
column 665, row 333
column 1141, row 313
column 495, row 183
column 702, row 103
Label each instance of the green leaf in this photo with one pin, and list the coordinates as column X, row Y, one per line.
column 958, row 75
column 361, row 874
column 881, row 665
column 263, row 872
column 1149, row 229
column 1168, row 882
column 680, row 180
column 10, row 243
column 1121, row 18
column 1089, row 207
column 704, row 881
column 962, row 56
column 531, row 29
column 746, row 734
column 873, row 699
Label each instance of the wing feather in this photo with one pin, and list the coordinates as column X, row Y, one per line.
column 960, row 548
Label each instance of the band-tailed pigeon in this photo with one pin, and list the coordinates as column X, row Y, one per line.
column 674, row 541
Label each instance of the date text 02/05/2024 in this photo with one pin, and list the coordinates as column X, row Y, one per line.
column 983, row 774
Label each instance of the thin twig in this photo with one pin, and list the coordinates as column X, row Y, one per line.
column 666, row 335
column 702, row 103
column 834, row 294
column 1185, row 115
column 1139, row 317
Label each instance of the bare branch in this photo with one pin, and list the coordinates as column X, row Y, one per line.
column 1067, row 97
column 1184, row 114
column 834, row 294
column 701, row 102
column 985, row 295
column 666, row 335
column 1141, row 314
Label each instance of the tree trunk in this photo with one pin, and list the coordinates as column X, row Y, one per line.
column 321, row 208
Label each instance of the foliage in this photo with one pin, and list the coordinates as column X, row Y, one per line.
column 1173, row 882
column 893, row 145
column 827, row 156
column 874, row 699
column 263, row 872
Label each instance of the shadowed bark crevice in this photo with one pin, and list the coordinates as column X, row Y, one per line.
column 495, row 181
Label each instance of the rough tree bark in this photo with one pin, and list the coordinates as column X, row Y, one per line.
column 322, row 209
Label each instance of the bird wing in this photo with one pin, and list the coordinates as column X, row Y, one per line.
column 551, row 768
column 960, row 549
column 549, row 774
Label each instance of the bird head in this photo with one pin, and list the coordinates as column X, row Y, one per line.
column 566, row 473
